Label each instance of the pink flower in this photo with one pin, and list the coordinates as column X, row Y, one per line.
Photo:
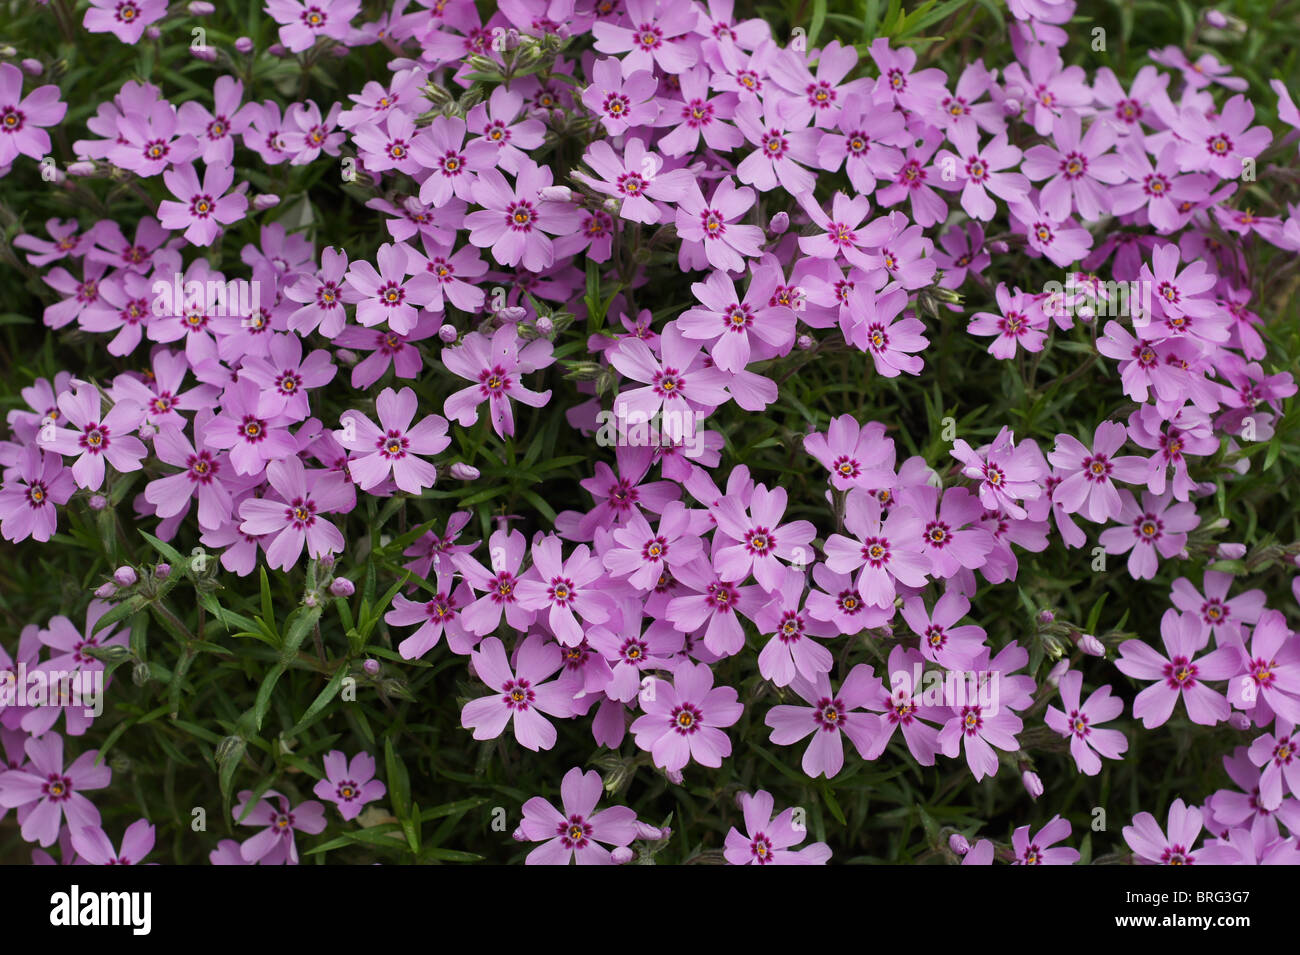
column 564, row 589
column 1019, row 322
column 1080, row 165
column 1220, row 144
column 275, row 844
column 782, row 147
column 1179, row 675
column 1271, row 681
column 652, row 36
column 1150, row 844
column 953, row 648
column 1007, row 472
column 497, row 122
column 790, row 651
column 684, row 719
column 497, row 366
column 392, row 447
column 641, row 553
column 1278, row 753
column 349, row 785
column 871, row 322
column 753, row 539
column 830, row 715
column 1154, row 528
column 519, row 696
column 621, row 100
column 440, row 613
column 498, row 585
column 1219, row 615
column 93, row 845
column 728, row 323
column 204, row 474
column 29, row 499
column 981, row 729
column 297, row 518
column 321, row 296
column 870, row 145
column 94, row 440
column 22, row 118
column 514, row 221
column 767, row 840
column 887, row 548
column 682, row 382
column 1080, row 723
column 125, row 19
column 946, row 540
column 201, row 206
column 635, row 180
column 453, row 166
column 1036, row 850
column 1087, row 476
column 46, row 794
column 982, row 171
column 252, row 439
column 302, row 22
column 387, row 294
column 576, row 834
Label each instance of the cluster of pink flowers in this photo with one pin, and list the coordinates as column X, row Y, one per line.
column 621, row 615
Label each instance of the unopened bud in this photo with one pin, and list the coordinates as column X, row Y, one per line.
column 33, row 67
column 140, row 673
column 153, row 33
column 1011, row 106
column 545, row 327
column 647, row 832
column 464, row 472
column 266, row 200
column 805, row 342
column 105, row 591
column 555, row 193
column 1231, row 551
column 147, row 430
column 371, row 666
column 518, row 835
column 1033, row 785
column 622, row 855
column 342, row 587
column 98, row 502
column 1239, row 721
column 162, row 571
column 958, row 844
column 448, row 333
column 999, row 246
column 513, row 313
column 309, row 599
column 1091, row 645
column 1216, row 19
column 1046, row 616
column 244, row 45
column 81, row 169
column 125, row 575
column 779, row 223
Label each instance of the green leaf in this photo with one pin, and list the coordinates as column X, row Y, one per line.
column 322, row 700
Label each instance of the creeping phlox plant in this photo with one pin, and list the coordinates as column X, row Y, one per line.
column 471, row 459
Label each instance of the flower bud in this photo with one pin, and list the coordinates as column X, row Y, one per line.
column 1033, row 785
column 805, row 342
column 265, row 201
column 622, row 855
column 1216, row 19
column 342, row 587
column 33, row 67
column 545, row 327
column 513, row 314
column 1045, row 617
column 999, row 247
column 1011, row 106
column 244, row 45
column 309, row 599
column 647, row 832
column 958, row 844
column 555, row 193
column 1091, row 645
column 779, row 223
column 98, row 502
column 105, row 591
column 464, row 472
column 125, row 575
column 278, row 49
column 518, row 835
column 153, row 33
column 201, row 8
column 448, row 334
column 1239, row 721
column 371, row 666
column 205, row 53
column 1231, row 551
column 140, row 673
column 81, row 168
column 162, row 571
column 147, row 430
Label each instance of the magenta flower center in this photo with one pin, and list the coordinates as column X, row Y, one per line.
column 94, row 439
column 828, row 714
column 561, row 591
column 301, row 513
column 685, row 718
column 574, row 832
column 518, row 695
column 1180, row 673
column 57, row 788
column 875, row 551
